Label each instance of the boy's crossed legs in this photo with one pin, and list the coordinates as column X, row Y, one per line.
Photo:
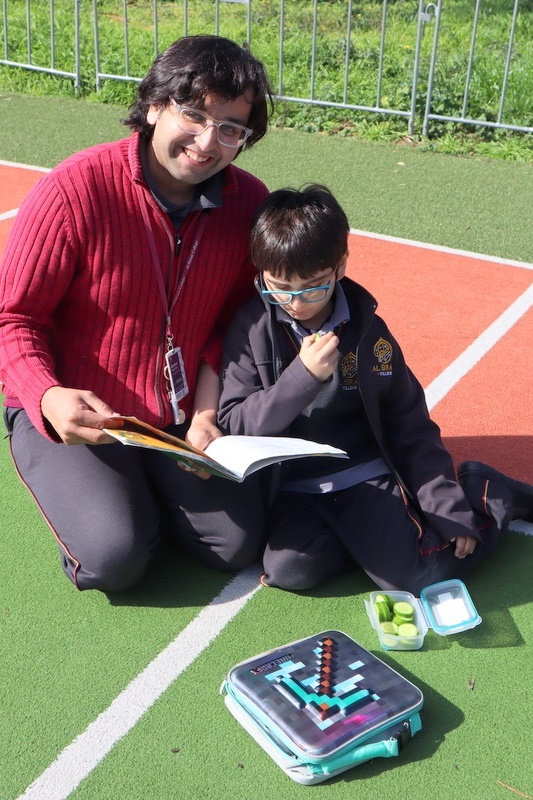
column 314, row 537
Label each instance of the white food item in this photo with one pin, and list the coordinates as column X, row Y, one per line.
column 450, row 611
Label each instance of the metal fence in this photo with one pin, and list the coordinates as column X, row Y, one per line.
column 11, row 11
column 80, row 25
column 508, row 50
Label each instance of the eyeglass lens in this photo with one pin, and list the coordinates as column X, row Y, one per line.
column 305, row 295
column 194, row 122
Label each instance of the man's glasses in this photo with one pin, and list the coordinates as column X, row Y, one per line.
column 283, row 298
column 195, row 122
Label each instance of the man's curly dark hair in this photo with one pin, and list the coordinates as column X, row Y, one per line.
column 197, row 66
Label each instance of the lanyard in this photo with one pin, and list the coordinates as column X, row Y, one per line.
column 174, row 371
column 159, row 272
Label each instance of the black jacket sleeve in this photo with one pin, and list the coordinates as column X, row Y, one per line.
column 413, row 445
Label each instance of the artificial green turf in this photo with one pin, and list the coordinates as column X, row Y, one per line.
column 474, row 204
column 42, row 131
column 190, row 746
column 65, row 655
column 477, row 205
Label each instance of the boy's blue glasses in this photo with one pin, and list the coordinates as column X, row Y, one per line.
column 283, row 298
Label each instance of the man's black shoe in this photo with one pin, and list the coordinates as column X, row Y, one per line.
column 522, row 492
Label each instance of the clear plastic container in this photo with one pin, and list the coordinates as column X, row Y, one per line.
column 445, row 607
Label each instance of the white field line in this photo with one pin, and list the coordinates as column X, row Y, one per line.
column 521, row 526
column 8, row 214
column 23, row 166
column 440, row 387
column 80, row 757
column 441, row 249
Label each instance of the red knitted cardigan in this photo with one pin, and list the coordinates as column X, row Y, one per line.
column 79, row 299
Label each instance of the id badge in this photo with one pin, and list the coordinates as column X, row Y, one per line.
column 175, row 374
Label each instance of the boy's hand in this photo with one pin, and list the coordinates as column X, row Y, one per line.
column 464, row 546
column 200, row 434
column 320, row 354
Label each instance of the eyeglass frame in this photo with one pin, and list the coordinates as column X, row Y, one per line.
column 212, row 123
column 298, row 293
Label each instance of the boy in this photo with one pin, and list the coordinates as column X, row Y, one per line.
column 310, row 358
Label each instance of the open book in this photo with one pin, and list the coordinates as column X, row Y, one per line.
column 233, row 457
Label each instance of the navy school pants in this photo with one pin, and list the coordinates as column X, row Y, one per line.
column 314, row 537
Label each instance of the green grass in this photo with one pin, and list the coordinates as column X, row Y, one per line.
column 330, row 30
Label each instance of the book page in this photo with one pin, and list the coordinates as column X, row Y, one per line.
column 232, row 457
column 246, row 454
column 133, row 431
column 146, row 440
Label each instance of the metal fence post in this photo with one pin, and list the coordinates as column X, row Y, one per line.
column 431, row 77
column 416, row 68
column 508, row 61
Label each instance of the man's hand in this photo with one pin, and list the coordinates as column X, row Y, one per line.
column 320, row 354
column 464, row 546
column 78, row 416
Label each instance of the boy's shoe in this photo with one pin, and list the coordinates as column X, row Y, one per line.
column 522, row 492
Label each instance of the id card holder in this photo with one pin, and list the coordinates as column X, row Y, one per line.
column 178, row 388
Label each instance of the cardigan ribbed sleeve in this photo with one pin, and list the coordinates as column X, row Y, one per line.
column 30, row 294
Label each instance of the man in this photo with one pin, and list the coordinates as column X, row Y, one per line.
column 123, row 268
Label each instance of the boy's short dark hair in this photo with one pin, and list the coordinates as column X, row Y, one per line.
column 299, row 232
column 196, row 66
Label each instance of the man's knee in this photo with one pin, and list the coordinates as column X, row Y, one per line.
column 107, row 570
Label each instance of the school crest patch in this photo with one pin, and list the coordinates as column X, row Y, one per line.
column 349, row 372
column 383, row 354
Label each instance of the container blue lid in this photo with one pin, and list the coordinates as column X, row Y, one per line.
column 449, row 607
